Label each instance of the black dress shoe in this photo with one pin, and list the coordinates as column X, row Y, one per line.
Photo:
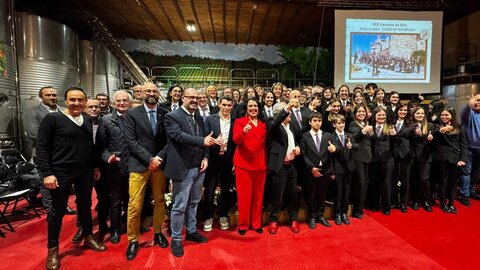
column 465, row 201
column 132, row 251
column 357, row 214
column 453, row 210
column 311, row 223
column 78, row 236
column 415, row 206
column 115, row 237
column 338, row 219
column 427, row 207
column 259, row 230
column 177, row 248
column 323, row 221
column 345, row 219
column 445, row 208
column 241, row 231
column 196, row 237
column 70, row 211
column 160, row 240
column 403, row 208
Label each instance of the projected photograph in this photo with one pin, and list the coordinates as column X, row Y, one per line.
column 385, row 56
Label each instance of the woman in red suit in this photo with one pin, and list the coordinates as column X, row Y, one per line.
column 250, row 161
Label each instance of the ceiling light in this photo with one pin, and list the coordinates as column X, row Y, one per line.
column 191, row 27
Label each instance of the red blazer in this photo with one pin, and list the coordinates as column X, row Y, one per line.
column 250, row 153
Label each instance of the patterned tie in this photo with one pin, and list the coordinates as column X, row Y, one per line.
column 153, row 121
column 399, row 125
column 299, row 118
column 174, row 107
column 317, row 142
column 204, row 115
column 379, row 131
column 341, row 140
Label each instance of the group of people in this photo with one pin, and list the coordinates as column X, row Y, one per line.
column 265, row 149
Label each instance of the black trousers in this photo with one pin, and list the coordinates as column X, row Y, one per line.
column 401, row 173
column 219, row 172
column 316, row 195
column 118, row 187
column 359, row 184
column 82, row 179
column 380, row 186
column 284, row 182
column 343, row 192
column 103, row 204
column 448, row 174
column 420, row 185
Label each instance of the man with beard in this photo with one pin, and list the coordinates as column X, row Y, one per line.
column 146, row 138
column 186, row 165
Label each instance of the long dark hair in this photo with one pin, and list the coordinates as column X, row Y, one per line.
column 259, row 115
column 407, row 117
column 169, row 98
column 453, row 121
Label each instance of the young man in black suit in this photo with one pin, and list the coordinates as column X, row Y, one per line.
column 316, row 147
column 283, row 149
column 221, row 163
column 146, row 138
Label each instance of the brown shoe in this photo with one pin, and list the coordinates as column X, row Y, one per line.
column 53, row 262
column 92, row 243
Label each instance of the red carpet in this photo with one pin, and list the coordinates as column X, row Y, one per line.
column 416, row 240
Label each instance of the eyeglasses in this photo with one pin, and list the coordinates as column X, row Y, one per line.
column 192, row 97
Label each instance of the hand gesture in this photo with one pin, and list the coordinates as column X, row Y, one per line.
column 349, row 144
column 296, row 151
column 461, row 163
column 392, row 131
column 50, row 182
column 316, row 172
column 347, row 108
column 418, row 131
column 209, row 140
column 331, row 148
column 112, row 159
column 219, row 140
column 247, row 128
column 367, row 129
column 204, row 165
column 329, row 108
column 96, row 174
column 292, row 104
column 420, row 97
column 430, row 136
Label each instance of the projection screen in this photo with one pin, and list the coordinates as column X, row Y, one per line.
column 398, row 50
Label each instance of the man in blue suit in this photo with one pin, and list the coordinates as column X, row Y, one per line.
column 187, row 161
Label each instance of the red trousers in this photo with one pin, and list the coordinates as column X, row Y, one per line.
column 250, row 185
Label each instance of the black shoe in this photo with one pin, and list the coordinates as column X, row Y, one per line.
column 338, row 219
column 465, row 201
column 259, row 230
column 415, row 206
column 70, row 211
column 475, row 196
column 453, row 210
column 132, row 251
column 115, row 237
column 78, row 237
column 445, row 209
column 177, row 248
column 357, row 214
column 427, row 207
column 196, row 237
column 386, row 212
column 311, row 223
column 241, row 231
column 323, row 221
column 345, row 219
column 403, row 208
column 160, row 240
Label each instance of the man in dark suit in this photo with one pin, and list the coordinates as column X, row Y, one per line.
column 221, row 163
column 283, row 149
column 187, row 161
column 316, row 148
column 205, row 109
column 146, row 138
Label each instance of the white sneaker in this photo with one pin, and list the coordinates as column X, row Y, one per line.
column 207, row 226
column 224, row 223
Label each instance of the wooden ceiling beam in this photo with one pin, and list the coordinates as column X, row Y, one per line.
column 196, row 20
column 284, row 5
column 154, row 33
column 250, row 23
column 264, row 22
column 237, row 19
column 180, row 15
column 211, row 22
column 224, row 15
column 291, row 24
column 165, row 14
column 154, row 19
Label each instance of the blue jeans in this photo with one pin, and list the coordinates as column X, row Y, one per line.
column 186, row 196
column 469, row 171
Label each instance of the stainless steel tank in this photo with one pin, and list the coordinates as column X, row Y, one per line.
column 8, row 91
column 99, row 69
column 47, row 56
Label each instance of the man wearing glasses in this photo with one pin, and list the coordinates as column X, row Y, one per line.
column 137, row 93
column 146, row 138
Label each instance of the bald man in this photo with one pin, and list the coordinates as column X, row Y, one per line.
column 146, row 139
